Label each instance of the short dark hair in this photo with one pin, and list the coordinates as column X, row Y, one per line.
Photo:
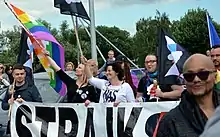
column 121, row 58
column 18, row 66
column 117, row 68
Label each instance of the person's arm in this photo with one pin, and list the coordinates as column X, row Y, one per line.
column 174, row 94
column 96, row 82
column 51, row 61
column 62, row 75
column 140, row 90
column 5, row 104
column 36, row 97
column 65, row 78
column 129, row 93
column 92, row 80
column 87, row 68
column 6, row 80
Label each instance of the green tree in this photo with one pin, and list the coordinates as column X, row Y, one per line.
column 191, row 31
column 10, row 38
column 120, row 38
column 145, row 39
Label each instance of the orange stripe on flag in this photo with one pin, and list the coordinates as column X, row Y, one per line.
column 16, row 10
column 158, row 122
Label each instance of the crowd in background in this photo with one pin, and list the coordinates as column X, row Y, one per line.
column 114, row 82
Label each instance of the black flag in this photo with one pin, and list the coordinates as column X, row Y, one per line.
column 71, row 7
column 25, row 55
column 171, row 57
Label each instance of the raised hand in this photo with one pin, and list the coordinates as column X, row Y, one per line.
column 83, row 60
column 11, row 101
column 46, row 53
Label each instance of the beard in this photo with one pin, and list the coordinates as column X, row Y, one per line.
column 216, row 63
column 204, row 91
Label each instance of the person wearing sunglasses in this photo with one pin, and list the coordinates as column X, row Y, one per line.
column 198, row 101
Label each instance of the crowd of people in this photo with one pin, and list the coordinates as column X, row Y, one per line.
column 114, row 82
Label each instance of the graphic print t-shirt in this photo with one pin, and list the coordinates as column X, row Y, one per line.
column 109, row 93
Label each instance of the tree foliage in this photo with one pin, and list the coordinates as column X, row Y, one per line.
column 145, row 38
column 190, row 31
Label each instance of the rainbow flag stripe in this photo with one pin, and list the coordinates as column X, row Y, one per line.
column 42, row 38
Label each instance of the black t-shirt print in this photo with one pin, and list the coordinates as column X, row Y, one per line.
column 109, row 95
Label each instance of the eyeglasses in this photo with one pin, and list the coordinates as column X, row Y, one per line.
column 150, row 61
column 202, row 75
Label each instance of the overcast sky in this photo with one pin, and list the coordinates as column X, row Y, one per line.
column 121, row 13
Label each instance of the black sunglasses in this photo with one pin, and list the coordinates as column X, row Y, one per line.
column 202, row 75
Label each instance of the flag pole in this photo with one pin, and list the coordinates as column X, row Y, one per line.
column 77, row 36
column 92, row 29
column 210, row 37
column 78, row 50
column 116, row 48
column 28, row 32
column 11, row 90
column 96, row 45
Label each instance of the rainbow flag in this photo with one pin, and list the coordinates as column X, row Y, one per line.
column 41, row 38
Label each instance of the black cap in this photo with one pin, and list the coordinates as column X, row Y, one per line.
column 120, row 58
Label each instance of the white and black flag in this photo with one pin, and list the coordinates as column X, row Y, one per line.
column 71, row 7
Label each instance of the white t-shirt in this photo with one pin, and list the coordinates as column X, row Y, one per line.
column 109, row 93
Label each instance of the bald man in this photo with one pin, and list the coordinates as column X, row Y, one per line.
column 198, row 101
column 93, row 66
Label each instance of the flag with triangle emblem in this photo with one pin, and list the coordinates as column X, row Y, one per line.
column 171, row 57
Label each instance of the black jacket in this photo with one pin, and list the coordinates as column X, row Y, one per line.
column 186, row 120
column 28, row 92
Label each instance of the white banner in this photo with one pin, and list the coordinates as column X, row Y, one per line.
column 96, row 120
